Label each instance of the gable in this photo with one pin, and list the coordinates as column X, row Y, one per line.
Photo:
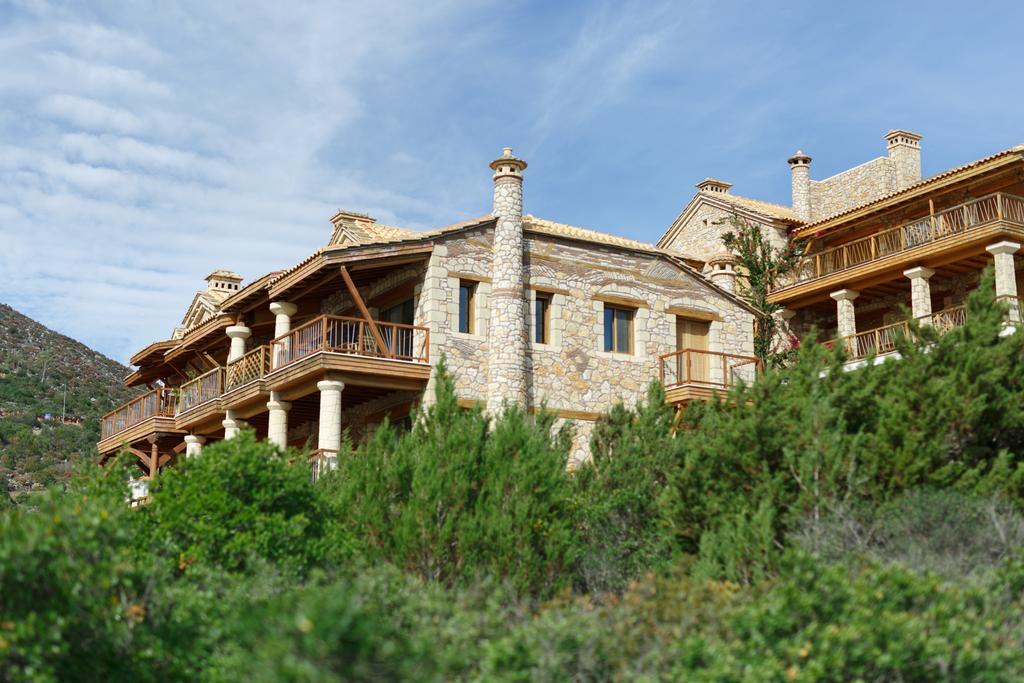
column 697, row 231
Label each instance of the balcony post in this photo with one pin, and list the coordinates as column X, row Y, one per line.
column 193, row 445
column 238, row 334
column 1006, row 277
column 277, row 420
column 329, row 436
column 283, row 312
column 846, row 318
column 920, row 293
column 232, row 425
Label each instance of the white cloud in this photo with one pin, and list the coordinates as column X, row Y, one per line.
column 89, row 114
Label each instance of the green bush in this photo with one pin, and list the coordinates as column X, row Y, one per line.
column 458, row 498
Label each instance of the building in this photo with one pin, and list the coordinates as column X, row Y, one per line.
column 526, row 311
column 877, row 239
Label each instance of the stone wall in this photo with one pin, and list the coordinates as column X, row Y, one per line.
column 853, row 187
column 572, row 375
column 701, row 234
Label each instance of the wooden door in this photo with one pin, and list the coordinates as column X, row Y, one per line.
column 692, row 335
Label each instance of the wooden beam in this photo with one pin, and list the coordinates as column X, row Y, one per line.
column 354, row 293
column 154, row 460
column 180, row 447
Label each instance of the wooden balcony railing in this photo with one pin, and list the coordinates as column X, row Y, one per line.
column 883, row 339
column 151, row 404
column 322, row 460
column 351, row 335
column 198, row 391
column 250, row 367
column 953, row 221
column 706, row 368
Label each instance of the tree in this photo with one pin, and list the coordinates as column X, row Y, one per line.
column 763, row 267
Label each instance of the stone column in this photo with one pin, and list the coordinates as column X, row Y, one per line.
column 329, row 436
column 193, row 445
column 232, row 425
column 507, row 326
column 800, row 169
column 920, row 294
column 845, row 315
column 238, row 334
column 277, row 420
column 283, row 312
column 1006, row 274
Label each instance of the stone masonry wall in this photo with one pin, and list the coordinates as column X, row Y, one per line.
column 573, row 375
column 851, row 188
column 701, row 236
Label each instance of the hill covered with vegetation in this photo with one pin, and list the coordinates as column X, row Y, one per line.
column 45, row 376
column 820, row 525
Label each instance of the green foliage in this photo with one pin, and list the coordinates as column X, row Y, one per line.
column 241, row 503
column 762, row 268
column 619, row 491
column 457, row 498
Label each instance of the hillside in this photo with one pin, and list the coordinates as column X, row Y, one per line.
column 44, row 374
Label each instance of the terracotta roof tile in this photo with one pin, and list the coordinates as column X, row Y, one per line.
column 764, row 208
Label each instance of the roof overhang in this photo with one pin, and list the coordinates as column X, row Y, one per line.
column 199, row 336
column 949, row 180
column 154, row 353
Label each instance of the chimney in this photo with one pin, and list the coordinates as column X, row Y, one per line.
column 800, row 167
column 222, row 283
column 721, row 271
column 714, row 185
column 507, row 325
column 905, row 155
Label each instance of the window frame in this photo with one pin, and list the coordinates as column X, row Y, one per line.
column 613, row 317
column 467, row 306
column 542, row 317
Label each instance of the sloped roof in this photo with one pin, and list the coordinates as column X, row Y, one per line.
column 766, row 208
column 916, row 187
column 556, row 229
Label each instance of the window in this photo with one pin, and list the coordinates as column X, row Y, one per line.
column 541, row 318
column 618, row 329
column 467, row 302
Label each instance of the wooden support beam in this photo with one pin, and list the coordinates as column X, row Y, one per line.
column 164, row 459
column 374, row 330
column 180, row 447
column 154, row 460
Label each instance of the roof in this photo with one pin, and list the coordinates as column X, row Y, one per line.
column 914, row 188
column 224, row 275
column 765, row 208
column 154, row 351
column 545, row 226
column 254, row 287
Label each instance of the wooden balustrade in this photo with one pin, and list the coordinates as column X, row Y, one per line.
column 883, row 339
column 955, row 220
column 252, row 366
column 205, row 387
column 339, row 334
column 322, row 460
column 706, row 368
column 153, row 403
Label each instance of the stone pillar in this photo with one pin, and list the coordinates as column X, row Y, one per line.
column 329, row 436
column 800, row 168
column 277, row 420
column 845, row 315
column 507, row 325
column 920, row 294
column 238, row 334
column 1006, row 274
column 283, row 312
column 232, row 425
column 193, row 445
column 723, row 272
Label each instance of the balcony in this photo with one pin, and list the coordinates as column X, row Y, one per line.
column 201, row 390
column 352, row 336
column 142, row 416
column 691, row 374
column 912, row 238
column 251, row 367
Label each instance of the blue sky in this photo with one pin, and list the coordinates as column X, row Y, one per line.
column 144, row 144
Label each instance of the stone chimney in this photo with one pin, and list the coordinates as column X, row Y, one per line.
column 714, row 185
column 507, row 325
column 221, row 284
column 722, row 272
column 800, row 167
column 905, row 155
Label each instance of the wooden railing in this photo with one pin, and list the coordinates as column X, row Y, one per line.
column 322, row 460
column 947, row 223
column 198, row 391
column 351, row 335
column 883, row 339
column 250, row 367
column 706, row 368
column 151, row 404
